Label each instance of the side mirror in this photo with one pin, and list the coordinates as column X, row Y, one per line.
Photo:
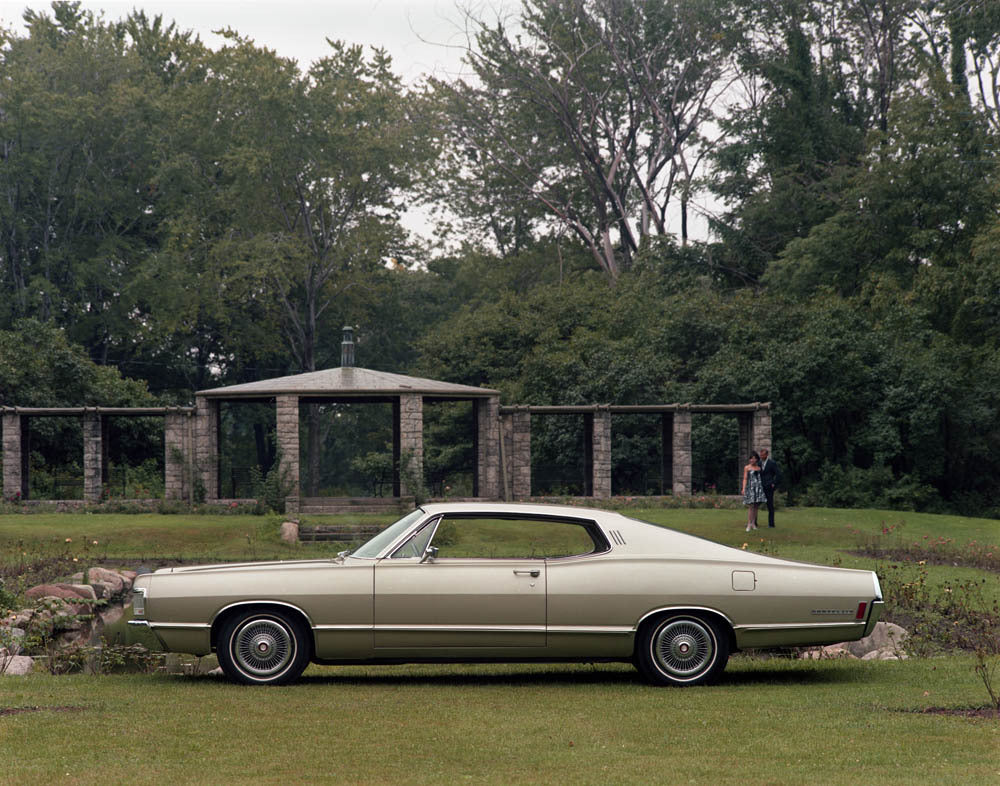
column 430, row 554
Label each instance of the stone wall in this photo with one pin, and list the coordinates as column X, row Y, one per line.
column 520, row 455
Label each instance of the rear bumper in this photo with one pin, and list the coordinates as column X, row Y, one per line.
column 875, row 609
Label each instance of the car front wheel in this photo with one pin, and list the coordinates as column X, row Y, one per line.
column 682, row 649
column 263, row 648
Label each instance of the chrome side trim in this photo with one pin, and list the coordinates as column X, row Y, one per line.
column 343, row 627
column 581, row 629
column 800, row 625
column 179, row 625
column 460, row 628
column 143, row 623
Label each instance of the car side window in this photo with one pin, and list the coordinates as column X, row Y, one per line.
column 416, row 545
column 515, row 537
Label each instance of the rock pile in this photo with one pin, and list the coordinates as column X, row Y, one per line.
column 66, row 611
column 885, row 643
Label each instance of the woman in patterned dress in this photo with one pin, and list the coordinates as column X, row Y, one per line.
column 753, row 490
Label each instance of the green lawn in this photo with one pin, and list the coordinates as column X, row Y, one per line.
column 768, row 721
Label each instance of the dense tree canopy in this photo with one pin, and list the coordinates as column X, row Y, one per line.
column 174, row 217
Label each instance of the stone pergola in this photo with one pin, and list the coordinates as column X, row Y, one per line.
column 501, row 435
column 177, row 439
column 675, row 428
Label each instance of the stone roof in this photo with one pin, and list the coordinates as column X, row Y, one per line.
column 347, row 381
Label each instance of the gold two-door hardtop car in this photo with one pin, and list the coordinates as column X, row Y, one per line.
column 501, row 582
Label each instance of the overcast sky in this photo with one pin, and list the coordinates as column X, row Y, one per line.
column 423, row 36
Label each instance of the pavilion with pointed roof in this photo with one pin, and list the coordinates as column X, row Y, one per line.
column 346, row 384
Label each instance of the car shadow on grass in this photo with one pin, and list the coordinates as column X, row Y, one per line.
column 555, row 675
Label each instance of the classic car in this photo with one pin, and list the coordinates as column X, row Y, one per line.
column 501, row 582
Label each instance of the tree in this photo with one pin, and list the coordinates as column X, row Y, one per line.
column 587, row 120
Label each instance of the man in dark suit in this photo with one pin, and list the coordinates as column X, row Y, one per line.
column 770, row 476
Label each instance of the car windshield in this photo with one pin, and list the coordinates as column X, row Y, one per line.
column 378, row 544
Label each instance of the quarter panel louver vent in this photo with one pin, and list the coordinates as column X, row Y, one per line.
column 616, row 536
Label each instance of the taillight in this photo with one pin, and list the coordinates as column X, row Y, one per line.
column 861, row 610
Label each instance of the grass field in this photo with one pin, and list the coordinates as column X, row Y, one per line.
column 770, row 720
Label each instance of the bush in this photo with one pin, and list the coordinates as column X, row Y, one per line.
column 875, row 487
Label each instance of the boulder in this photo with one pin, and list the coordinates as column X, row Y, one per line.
column 13, row 639
column 290, row 532
column 886, row 637
column 102, row 589
column 84, row 591
column 112, row 614
column 64, row 591
column 17, row 665
column 110, row 577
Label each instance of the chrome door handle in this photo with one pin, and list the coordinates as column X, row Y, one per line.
column 533, row 572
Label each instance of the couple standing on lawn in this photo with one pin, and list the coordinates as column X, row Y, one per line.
column 760, row 479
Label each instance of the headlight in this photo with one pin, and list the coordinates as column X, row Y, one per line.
column 139, row 602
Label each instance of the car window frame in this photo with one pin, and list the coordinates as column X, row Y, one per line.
column 602, row 544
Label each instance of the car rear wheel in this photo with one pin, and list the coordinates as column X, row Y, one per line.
column 682, row 649
column 263, row 648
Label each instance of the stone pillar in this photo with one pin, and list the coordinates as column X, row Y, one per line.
column 13, row 450
column 92, row 455
column 602, row 454
column 411, row 440
column 746, row 445
column 488, row 447
column 175, row 459
column 206, row 446
column 286, row 424
column 682, row 452
column 762, row 428
column 666, row 451
column 520, row 455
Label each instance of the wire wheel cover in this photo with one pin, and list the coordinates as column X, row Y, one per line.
column 263, row 647
column 684, row 648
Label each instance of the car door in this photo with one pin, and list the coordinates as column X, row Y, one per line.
column 479, row 587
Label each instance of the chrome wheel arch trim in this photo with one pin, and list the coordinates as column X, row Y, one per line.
column 260, row 602
column 682, row 609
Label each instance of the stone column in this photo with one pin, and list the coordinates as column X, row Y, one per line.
column 746, row 445
column 411, row 440
column 92, row 455
column 13, row 480
column 682, row 452
column 602, row 454
column 206, row 446
column 488, row 447
column 175, row 457
column 286, row 424
column 520, row 455
column 762, row 427
column 666, row 451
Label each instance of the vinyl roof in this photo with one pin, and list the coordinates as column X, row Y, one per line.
column 348, row 381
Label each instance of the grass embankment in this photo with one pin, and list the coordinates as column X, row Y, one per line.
column 768, row 721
